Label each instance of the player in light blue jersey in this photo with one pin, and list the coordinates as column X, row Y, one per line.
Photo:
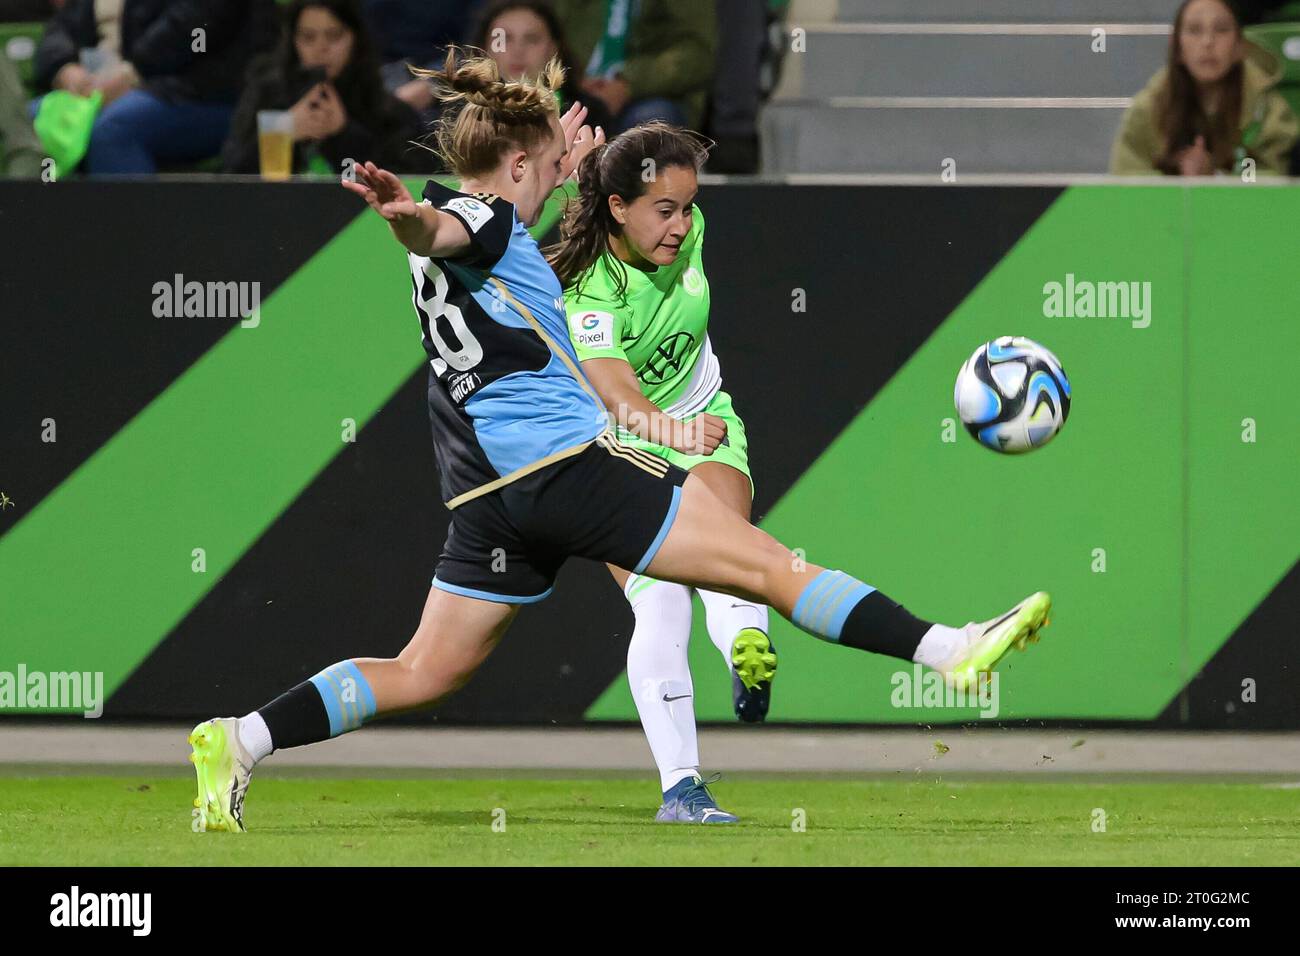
column 530, row 470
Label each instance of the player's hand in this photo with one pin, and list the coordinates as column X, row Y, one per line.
column 571, row 126
column 571, row 122
column 702, row 435
column 382, row 191
column 583, row 143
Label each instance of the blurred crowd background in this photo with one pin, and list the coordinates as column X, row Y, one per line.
column 140, row 87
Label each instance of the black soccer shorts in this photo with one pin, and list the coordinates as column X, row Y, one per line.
column 609, row 502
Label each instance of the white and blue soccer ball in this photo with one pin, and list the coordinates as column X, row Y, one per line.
column 1012, row 395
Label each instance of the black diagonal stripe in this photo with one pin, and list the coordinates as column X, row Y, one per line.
column 79, row 339
column 301, row 599
column 1263, row 650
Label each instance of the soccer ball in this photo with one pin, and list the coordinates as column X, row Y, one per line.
column 1012, row 395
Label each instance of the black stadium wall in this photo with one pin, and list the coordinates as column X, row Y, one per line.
column 821, row 296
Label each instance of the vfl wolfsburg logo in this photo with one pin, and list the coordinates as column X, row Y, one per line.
column 667, row 358
column 693, row 281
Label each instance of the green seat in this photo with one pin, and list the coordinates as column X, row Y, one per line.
column 1282, row 40
column 18, row 42
column 1285, row 13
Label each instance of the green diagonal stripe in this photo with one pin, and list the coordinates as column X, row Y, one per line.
column 956, row 532
column 98, row 574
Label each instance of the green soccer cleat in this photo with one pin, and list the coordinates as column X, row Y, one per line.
column 224, row 769
column 753, row 665
column 990, row 641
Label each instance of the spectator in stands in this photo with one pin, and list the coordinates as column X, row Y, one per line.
column 1212, row 107
column 170, row 91
column 326, row 73
column 20, row 150
column 646, row 61
column 415, row 32
column 522, row 36
column 733, row 123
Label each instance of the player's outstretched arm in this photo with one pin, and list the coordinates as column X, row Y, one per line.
column 617, row 386
column 422, row 229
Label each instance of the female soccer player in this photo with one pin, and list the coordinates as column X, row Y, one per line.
column 631, row 263
column 527, row 463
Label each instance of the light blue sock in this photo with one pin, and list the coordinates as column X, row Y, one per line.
column 825, row 603
column 348, row 700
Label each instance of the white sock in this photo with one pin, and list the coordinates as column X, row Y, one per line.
column 728, row 616
column 658, row 668
column 939, row 644
column 255, row 736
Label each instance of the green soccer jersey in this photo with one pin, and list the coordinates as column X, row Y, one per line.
column 660, row 327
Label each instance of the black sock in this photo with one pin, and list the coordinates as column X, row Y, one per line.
column 297, row 717
column 879, row 625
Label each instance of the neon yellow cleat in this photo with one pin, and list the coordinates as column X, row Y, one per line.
column 753, row 665
column 990, row 641
column 224, row 770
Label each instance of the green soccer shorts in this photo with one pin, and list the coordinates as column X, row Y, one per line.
column 734, row 450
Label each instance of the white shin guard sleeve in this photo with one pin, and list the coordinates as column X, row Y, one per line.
column 659, row 674
column 728, row 616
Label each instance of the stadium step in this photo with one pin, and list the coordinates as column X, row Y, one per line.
column 1024, row 11
column 1001, row 86
column 883, row 59
column 913, row 135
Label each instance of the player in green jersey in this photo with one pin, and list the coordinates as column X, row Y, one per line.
column 631, row 262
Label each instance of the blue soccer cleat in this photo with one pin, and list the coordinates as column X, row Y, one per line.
column 689, row 801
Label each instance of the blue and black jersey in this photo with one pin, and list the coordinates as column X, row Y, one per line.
column 506, row 394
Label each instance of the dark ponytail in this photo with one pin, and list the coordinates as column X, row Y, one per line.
column 585, row 231
column 617, row 168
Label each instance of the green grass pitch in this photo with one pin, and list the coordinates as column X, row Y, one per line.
column 608, row 820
